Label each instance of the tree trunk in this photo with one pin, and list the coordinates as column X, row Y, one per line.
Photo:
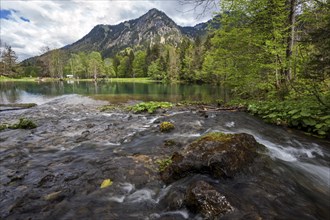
column 290, row 38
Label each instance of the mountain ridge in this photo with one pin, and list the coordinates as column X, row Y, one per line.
column 151, row 28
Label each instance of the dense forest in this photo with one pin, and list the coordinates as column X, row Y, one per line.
column 274, row 51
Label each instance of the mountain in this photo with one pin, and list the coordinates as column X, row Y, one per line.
column 153, row 27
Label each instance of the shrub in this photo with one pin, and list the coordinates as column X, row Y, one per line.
column 307, row 116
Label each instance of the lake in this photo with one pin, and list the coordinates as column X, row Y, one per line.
column 41, row 92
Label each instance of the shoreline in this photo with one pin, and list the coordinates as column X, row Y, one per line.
column 48, row 79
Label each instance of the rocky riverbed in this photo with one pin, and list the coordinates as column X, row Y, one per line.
column 55, row 171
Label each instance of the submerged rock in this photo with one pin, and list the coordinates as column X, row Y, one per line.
column 54, row 196
column 205, row 199
column 217, row 154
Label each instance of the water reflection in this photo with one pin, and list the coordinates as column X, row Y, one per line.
column 40, row 92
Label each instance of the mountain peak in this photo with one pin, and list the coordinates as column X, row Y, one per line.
column 154, row 13
column 154, row 10
column 154, row 27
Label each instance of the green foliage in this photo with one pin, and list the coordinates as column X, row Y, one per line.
column 155, row 71
column 8, row 62
column 149, row 107
column 166, row 126
column 307, row 115
column 139, row 64
column 164, row 163
column 95, row 64
column 123, row 68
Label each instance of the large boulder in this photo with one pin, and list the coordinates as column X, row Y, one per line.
column 203, row 198
column 217, row 154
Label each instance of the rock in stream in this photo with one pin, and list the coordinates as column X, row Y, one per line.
column 217, row 154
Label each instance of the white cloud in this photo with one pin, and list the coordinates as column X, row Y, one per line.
column 56, row 23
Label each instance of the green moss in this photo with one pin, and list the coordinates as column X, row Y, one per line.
column 166, row 126
column 216, row 136
column 3, row 127
column 107, row 108
column 23, row 124
column 149, row 107
column 169, row 143
column 164, row 163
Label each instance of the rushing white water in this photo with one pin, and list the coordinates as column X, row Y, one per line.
column 141, row 195
column 76, row 147
column 292, row 151
column 183, row 213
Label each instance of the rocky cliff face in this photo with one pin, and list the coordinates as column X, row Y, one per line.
column 153, row 27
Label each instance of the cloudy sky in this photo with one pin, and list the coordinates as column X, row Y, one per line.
column 29, row 25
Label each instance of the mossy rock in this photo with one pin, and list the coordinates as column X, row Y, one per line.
column 164, row 163
column 215, row 136
column 166, row 126
column 149, row 107
column 169, row 143
column 217, row 154
column 24, row 124
column 3, row 127
column 110, row 108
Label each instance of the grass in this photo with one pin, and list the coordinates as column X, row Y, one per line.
column 23, row 79
column 131, row 80
column 48, row 79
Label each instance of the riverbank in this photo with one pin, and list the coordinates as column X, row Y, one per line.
column 56, row 169
column 48, row 79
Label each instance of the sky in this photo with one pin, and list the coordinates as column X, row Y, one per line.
column 30, row 25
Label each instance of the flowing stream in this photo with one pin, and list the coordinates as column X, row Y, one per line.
column 55, row 171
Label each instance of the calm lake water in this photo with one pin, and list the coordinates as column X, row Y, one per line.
column 41, row 92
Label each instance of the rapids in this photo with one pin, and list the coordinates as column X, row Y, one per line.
column 55, row 171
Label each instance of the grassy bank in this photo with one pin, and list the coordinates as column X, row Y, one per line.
column 47, row 79
column 22, row 79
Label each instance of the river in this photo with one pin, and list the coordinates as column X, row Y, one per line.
column 55, row 170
